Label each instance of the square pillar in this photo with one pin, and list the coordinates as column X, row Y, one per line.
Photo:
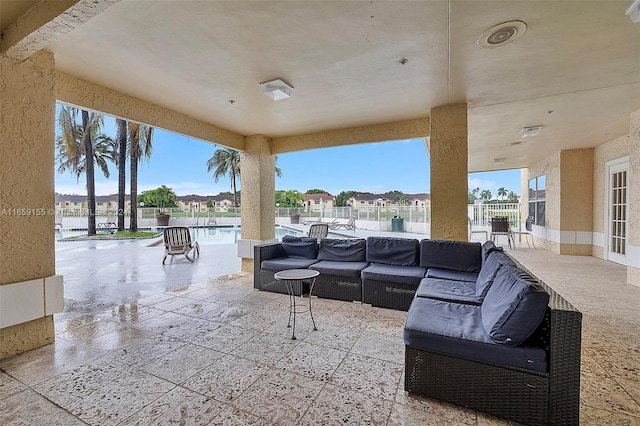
column 257, row 182
column 633, row 246
column 28, row 288
column 448, row 152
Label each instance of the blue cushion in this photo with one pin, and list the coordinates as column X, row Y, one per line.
column 342, row 269
column 487, row 274
column 394, row 274
column 447, row 274
column 455, row 255
column 282, row 263
column 456, row 329
column 392, row 251
column 343, row 250
column 513, row 307
column 487, row 248
column 448, row 290
column 306, row 247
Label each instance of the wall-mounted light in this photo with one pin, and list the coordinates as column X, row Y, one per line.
column 530, row 131
column 276, row 89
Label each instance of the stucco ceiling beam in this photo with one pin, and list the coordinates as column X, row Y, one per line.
column 407, row 129
column 46, row 22
column 78, row 92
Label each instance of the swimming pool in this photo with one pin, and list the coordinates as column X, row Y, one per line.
column 208, row 235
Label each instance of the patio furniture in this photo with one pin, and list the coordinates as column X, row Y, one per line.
column 312, row 221
column 500, row 226
column 350, row 225
column 527, row 233
column 109, row 223
column 471, row 231
column 177, row 240
column 292, row 279
column 318, row 231
column 340, row 263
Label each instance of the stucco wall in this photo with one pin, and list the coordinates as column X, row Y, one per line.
column 550, row 167
column 27, row 110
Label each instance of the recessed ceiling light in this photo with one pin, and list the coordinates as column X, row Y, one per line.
column 276, row 89
column 403, row 61
column 502, row 33
column 530, row 131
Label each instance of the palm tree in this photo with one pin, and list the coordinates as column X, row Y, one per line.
column 78, row 142
column 502, row 192
column 485, row 195
column 121, row 142
column 224, row 162
column 140, row 148
column 512, row 196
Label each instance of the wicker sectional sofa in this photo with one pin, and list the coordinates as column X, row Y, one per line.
column 481, row 330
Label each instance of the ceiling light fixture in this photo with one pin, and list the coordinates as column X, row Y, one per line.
column 531, row 131
column 499, row 160
column 634, row 11
column 502, row 33
column 276, row 89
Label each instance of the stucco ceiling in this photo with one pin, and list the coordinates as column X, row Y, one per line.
column 576, row 70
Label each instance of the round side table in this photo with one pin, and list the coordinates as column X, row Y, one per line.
column 291, row 277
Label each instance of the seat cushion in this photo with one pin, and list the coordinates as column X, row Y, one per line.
column 456, row 329
column 513, row 307
column 342, row 269
column 343, row 250
column 447, row 274
column 392, row 251
column 453, row 255
column 448, row 290
column 487, row 274
column 305, row 247
column 394, row 274
column 282, row 263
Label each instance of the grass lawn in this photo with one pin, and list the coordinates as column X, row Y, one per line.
column 120, row 235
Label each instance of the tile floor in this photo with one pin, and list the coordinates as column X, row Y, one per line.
column 219, row 352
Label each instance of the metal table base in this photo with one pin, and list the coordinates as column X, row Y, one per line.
column 291, row 277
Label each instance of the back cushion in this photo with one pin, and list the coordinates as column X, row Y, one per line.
column 454, row 255
column 487, row 248
column 392, row 251
column 513, row 307
column 487, row 274
column 342, row 250
column 306, row 247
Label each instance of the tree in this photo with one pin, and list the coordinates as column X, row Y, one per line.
column 316, row 191
column 485, row 195
column 140, row 147
column 289, row 198
column 80, row 146
column 343, row 198
column 159, row 197
column 401, row 199
column 224, row 162
column 502, row 192
column 512, row 197
column 121, row 144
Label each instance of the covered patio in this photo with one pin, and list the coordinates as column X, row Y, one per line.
column 219, row 352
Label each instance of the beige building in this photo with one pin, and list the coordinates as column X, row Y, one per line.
column 318, row 202
column 477, row 80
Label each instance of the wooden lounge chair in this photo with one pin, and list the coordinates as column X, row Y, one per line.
column 177, row 240
column 350, row 225
column 319, row 230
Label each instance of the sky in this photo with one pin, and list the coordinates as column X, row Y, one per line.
column 180, row 163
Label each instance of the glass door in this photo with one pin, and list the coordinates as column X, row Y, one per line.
column 617, row 211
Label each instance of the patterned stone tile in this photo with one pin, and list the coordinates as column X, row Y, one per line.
column 47, row 361
column 201, row 293
column 388, row 326
column 9, row 386
column 103, row 391
column 90, row 331
column 414, row 409
column 371, row 376
column 604, row 393
column 266, row 348
column 226, row 378
column 279, row 396
column 154, row 299
column 338, row 406
column 334, row 337
column 593, row 416
column 132, row 313
column 619, row 363
column 146, row 350
column 380, row 346
column 27, row 407
column 177, row 407
column 184, row 362
column 304, row 327
column 64, row 323
column 226, row 338
column 116, row 339
column 231, row 416
column 172, row 304
column 313, row 361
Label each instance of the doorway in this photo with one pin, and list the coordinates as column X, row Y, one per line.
column 616, row 226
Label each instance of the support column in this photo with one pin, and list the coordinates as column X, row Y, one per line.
column 448, row 154
column 633, row 247
column 576, row 201
column 257, row 182
column 29, row 291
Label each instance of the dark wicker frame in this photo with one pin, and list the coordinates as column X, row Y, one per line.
column 263, row 279
column 516, row 394
column 388, row 295
column 338, row 287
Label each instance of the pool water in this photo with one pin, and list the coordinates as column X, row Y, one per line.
column 209, row 235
